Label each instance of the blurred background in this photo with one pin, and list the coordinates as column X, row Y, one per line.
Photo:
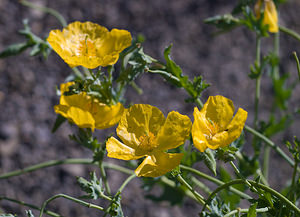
column 27, row 90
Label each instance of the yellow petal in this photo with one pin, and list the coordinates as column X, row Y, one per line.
column 116, row 149
column 89, row 44
column 158, row 164
column 139, row 120
column 270, row 16
column 114, row 42
column 233, row 131
column 81, row 118
column 198, row 129
column 174, row 132
column 107, row 116
column 218, row 110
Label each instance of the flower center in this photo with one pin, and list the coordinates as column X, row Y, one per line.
column 147, row 142
column 86, row 48
column 213, row 129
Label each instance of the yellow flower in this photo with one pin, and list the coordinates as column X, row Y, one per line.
column 270, row 14
column 87, row 112
column 145, row 132
column 89, row 44
column 214, row 126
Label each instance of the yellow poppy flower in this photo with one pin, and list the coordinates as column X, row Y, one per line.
column 87, row 112
column 214, row 126
column 145, row 132
column 270, row 14
column 89, row 44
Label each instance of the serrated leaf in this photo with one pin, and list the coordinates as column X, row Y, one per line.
column 58, row 122
column 14, row 49
column 29, row 213
column 252, row 210
column 210, row 162
column 93, row 188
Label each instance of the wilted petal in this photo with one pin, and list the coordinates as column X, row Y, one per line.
column 158, row 164
column 270, row 16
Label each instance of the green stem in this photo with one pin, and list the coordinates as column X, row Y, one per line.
column 260, row 210
column 136, row 88
column 297, row 62
column 258, row 79
column 266, row 161
column 241, row 176
column 214, row 180
column 29, row 205
column 46, row 164
column 126, row 182
column 201, row 185
column 272, row 145
column 78, row 73
column 290, row 32
column 257, row 185
column 104, row 178
column 51, row 11
column 199, row 197
column 81, row 202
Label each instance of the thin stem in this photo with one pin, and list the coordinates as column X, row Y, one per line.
column 272, row 145
column 199, row 197
column 77, row 73
column 201, row 185
column 214, row 180
column 46, row 164
column 81, row 202
column 260, row 210
column 257, row 185
column 241, row 176
column 290, row 32
column 257, row 89
column 297, row 62
column 136, row 88
column 126, row 182
column 51, row 11
column 29, row 205
column 294, row 177
column 104, row 178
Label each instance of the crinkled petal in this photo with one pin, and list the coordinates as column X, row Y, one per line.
column 107, row 116
column 89, row 44
column 174, row 132
column 158, row 164
column 233, row 131
column 81, row 118
column 270, row 16
column 138, row 120
column 114, row 42
column 198, row 129
column 219, row 110
column 116, row 149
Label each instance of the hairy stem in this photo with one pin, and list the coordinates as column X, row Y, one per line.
column 260, row 210
column 257, row 185
column 47, row 10
column 29, row 205
column 216, row 181
column 81, row 202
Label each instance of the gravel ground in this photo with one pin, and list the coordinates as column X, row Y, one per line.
column 27, row 90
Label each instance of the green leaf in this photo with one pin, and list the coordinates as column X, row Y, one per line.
column 225, row 22
column 29, row 213
column 252, row 210
column 210, row 162
column 7, row 215
column 58, row 122
column 14, row 49
column 93, row 188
